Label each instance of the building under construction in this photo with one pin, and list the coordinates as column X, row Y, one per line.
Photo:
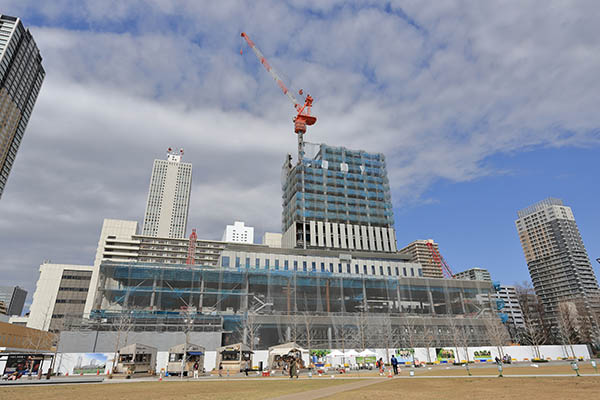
column 266, row 306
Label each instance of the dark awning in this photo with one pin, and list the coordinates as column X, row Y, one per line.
column 195, row 353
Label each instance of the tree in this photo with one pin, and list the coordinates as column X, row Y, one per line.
column 429, row 340
column 121, row 326
column 535, row 330
column 569, row 325
column 496, row 333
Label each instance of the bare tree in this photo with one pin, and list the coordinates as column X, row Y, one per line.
column 429, row 340
column 496, row 333
column 409, row 334
column 250, row 327
column 121, row 326
column 536, row 330
column 568, row 325
column 363, row 331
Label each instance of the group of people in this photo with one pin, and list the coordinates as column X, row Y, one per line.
column 506, row 359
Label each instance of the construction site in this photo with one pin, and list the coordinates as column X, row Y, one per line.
column 334, row 280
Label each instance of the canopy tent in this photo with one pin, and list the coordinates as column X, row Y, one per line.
column 350, row 356
column 336, row 358
column 367, row 353
column 279, row 355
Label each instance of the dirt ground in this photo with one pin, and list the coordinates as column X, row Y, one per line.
column 221, row 390
column 555, row 388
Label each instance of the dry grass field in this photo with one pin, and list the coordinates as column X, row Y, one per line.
column 555, row 388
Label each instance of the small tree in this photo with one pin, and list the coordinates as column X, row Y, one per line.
column 429, row 340
column 568, row 325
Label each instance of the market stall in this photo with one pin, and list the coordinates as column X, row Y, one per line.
column 136, row 358
column 194, row 353
column 234, row 357
column 281, row 355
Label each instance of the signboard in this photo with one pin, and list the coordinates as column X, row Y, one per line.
column 445, row 355
column 317, row 357
column 483, row 355
column 90, row 363
column 405, row 356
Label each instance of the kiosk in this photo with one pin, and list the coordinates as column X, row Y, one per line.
column 195, row 353
column 234, row 357
column 137, row 358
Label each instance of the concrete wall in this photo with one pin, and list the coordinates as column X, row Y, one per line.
column 104, row 342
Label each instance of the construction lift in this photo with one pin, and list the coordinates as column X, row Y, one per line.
column 303, row 117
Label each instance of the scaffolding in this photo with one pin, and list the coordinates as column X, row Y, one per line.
column 263, row 307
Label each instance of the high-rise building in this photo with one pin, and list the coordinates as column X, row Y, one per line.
column 420, row 253
column 13, row 298
column 474, row 274
column 556, row 257
column 338, row 199
column 21, row 77
column 168, row 197
column 238, row 233
column 511, row 307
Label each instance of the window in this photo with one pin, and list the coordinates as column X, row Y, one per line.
column 257, row 265
column 330, row 267
column 364, row 269
column 356, row 270
column 381, row 270
column 412, row 272
column 314, row 266
column 404, row 271
column 247, row 262
column 276, row 264
column 304, row 266
column 420, row 272
column 348, row 269
column 286, row 264
column 267, row 262
column 372, row 269
column 322, row 267
column 397, row 271
column 237, row 262
column 340, row 268
column 389, row 270
column 295, row 265
column 225, row 261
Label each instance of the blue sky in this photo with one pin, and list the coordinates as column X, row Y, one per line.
column 481, row 109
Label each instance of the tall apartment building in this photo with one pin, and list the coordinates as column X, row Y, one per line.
column 474, row 274
column 238, row 233
column 338, row 199
column 420, row 253
column 13, row 298
column 511, row 306
column 168, row 197
column 21, row 77
column 556, row 257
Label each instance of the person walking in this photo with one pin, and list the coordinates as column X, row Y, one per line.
column 196, row 367
column 298, row 366
column 381, row 366
column 293, row 367
column 246, row 367
column 394, row 362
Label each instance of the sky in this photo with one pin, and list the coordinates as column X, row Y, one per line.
column 481, row 108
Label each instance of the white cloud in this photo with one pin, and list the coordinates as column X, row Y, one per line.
column 438, row 87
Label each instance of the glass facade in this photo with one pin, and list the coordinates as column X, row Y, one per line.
column 338, row 185
column 154, row 290
column 21, row 77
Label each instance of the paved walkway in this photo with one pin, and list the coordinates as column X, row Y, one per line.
column 328, row 391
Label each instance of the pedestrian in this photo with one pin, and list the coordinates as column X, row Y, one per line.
column 298, row 366
column 220, row 370
column 381, row 366
column 293, row 367
column 246, row 367
column 395, row 364
column 196, row 367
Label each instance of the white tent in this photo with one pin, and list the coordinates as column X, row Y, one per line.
column 350, row 356
column 367, row 353
column 335, row 358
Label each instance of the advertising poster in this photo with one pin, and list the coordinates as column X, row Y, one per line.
column 318, row 357
column 22, row 364
column 483, row 355
column 82, row 363
column 405, row 356
column 445, row 355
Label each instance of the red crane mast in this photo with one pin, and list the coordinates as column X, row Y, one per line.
column 192, row 249
column 438, row 259
column 303, row 116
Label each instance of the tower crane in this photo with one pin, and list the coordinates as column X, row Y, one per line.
column 437, row 257
column 303, row 116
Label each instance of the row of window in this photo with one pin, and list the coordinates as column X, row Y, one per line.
column 341, row 268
